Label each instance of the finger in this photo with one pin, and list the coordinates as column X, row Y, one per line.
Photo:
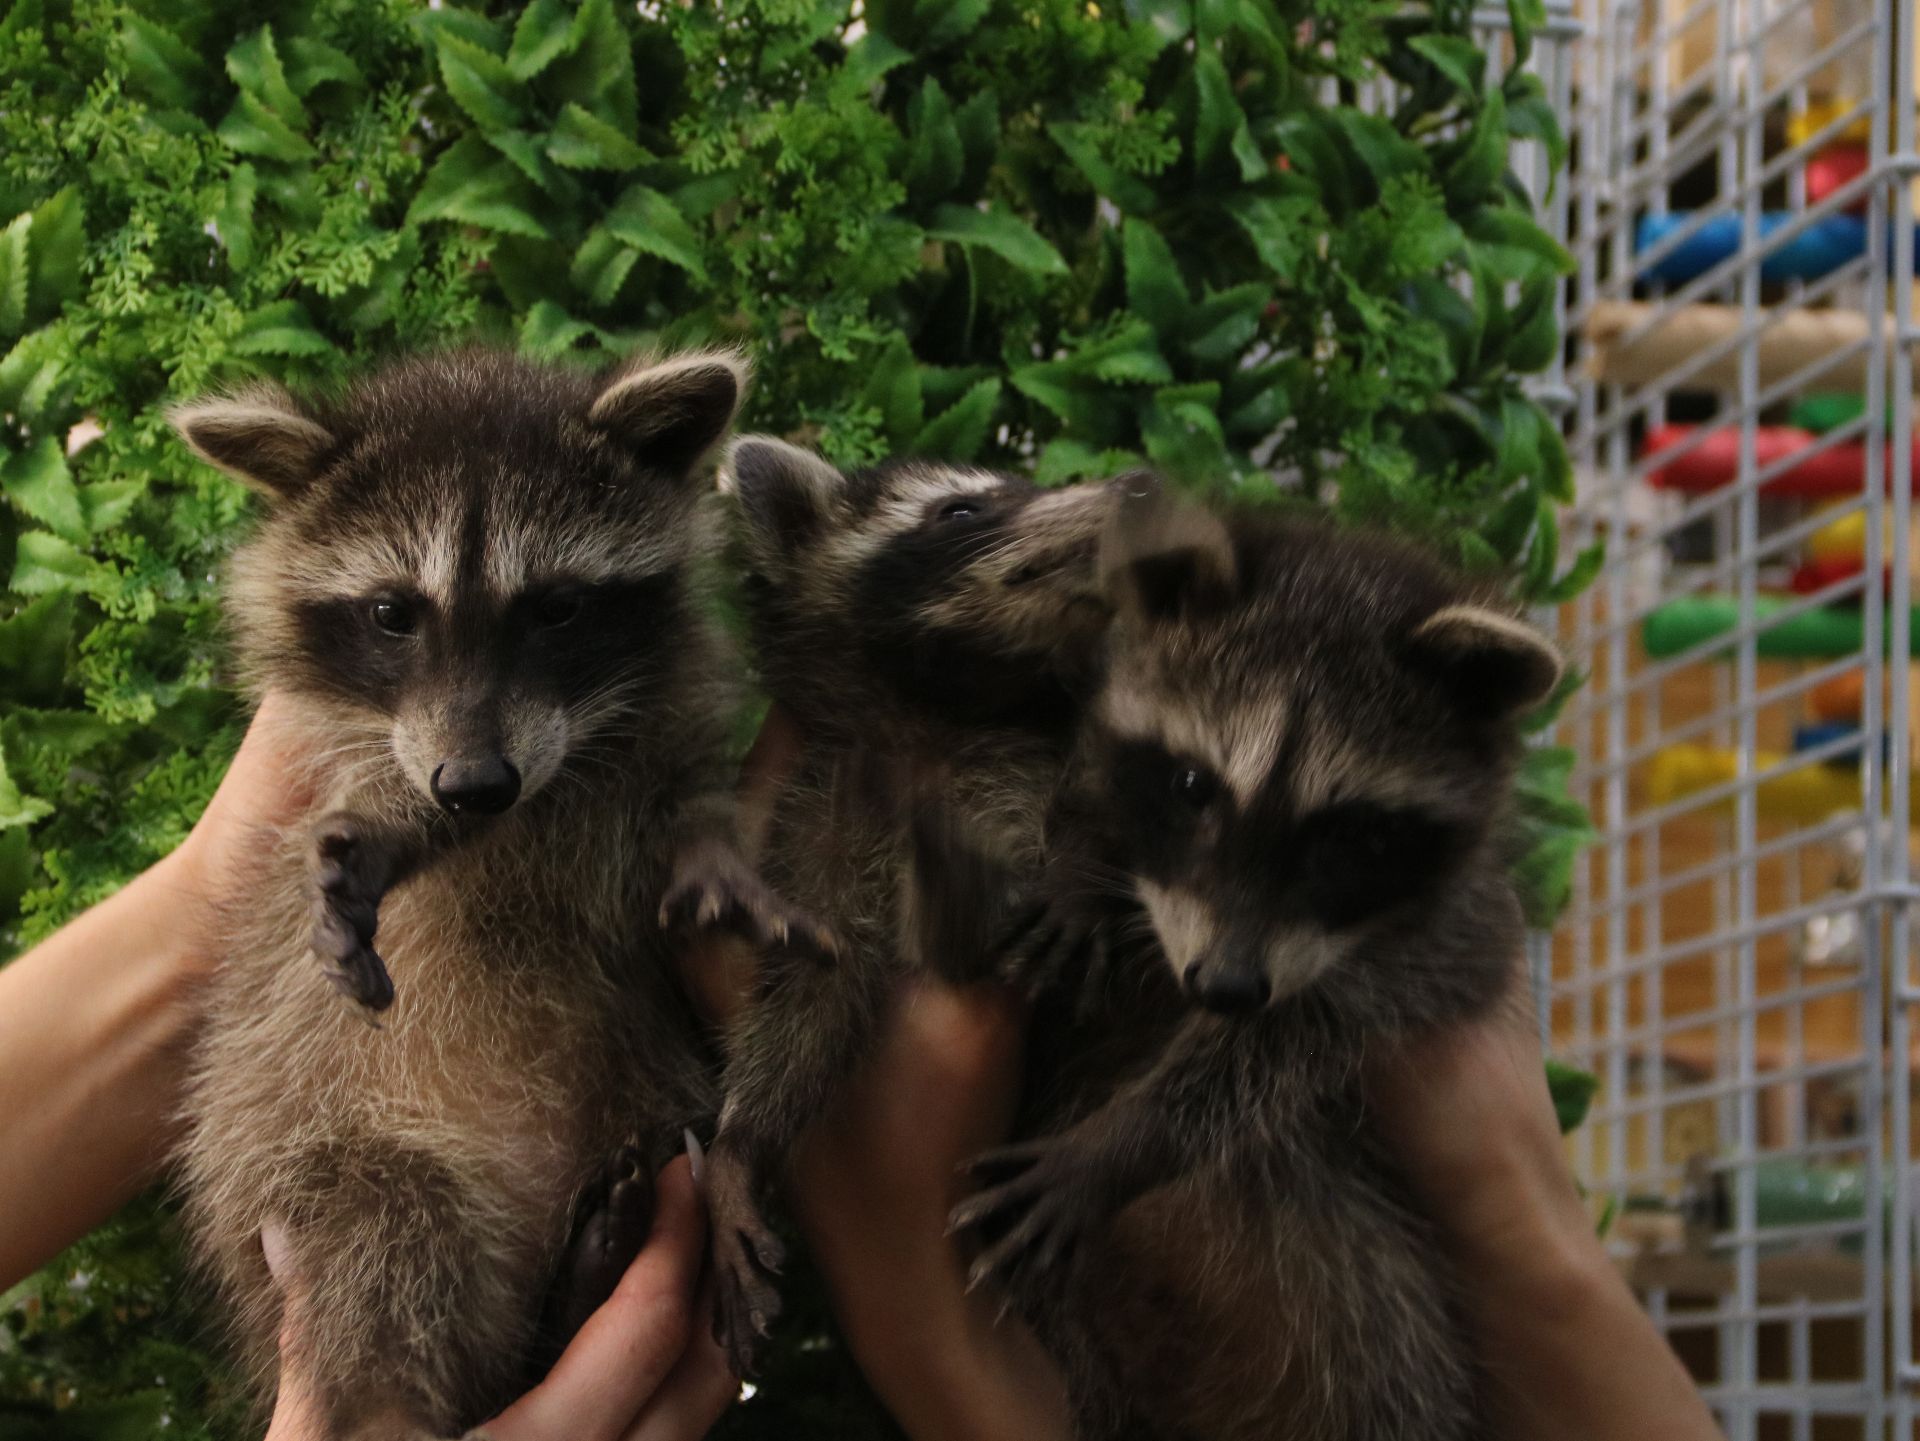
column 699, row 1390
column 631, row 1344
column 297, row 1414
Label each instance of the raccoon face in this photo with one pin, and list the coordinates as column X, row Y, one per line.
column 477, row 564
column 968, row 593
column 1308, row 736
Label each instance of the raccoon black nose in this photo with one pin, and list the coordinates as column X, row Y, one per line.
column 482, row 786
column 1228, row 991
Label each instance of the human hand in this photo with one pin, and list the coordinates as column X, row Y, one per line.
column 1568, row 1351
column 643, row 1368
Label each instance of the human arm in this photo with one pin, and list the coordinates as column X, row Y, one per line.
column 1572, row 1355
column 96, row 1021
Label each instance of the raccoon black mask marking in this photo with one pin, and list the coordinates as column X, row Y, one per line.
column 1284, row 807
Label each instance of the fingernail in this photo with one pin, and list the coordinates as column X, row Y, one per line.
column 696, row 1160
column 276, row 1250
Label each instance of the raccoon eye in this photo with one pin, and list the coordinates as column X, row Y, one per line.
column 556, row 608
column 959, row 509
column 395, row 617
column 1194, row 787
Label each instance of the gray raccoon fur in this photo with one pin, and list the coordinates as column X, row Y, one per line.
column 923, row 625
column 1284, row 808
column 465, row 559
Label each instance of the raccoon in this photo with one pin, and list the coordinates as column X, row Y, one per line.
column 482, row 583
column 926, row 627
column 1284, row 808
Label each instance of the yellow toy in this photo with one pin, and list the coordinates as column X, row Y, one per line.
column 1804, row 796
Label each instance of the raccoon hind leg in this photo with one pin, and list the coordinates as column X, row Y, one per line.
column 413, row 1291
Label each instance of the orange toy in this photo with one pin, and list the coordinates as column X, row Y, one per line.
column 1839, row 699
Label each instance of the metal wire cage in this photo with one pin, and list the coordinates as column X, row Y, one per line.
column 1737, row 964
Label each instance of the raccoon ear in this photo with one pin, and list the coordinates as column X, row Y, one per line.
column 1496, row 664
column 1160, row 558
column 672, row 412
column 259, row 436
column 785, row 492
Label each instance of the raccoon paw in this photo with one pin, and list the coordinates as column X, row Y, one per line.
column 1034, row 1206
column 350, row 876
column 746, row 1257
column 714, row 889
column 614, row 1218
column 1048, row 943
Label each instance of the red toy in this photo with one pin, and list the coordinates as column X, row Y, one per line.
column 1715, row 461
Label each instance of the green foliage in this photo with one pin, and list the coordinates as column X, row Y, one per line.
column 1017, row 231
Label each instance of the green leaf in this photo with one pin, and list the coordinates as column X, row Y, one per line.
column 161, row 64
column 38, row 481
column 15, row 275
column 1386, row 153
column 1586, row 565
column 1281, row 229
column 542, row 35
column 954, row 20
column 315, row 63
column 650, row 222
column 1515, row 244
column 233, row 216
column 872, row 57
column 935, row 159
column 1524, row 17
column 581, row 141
column 44, row 564
column 1130, row 193
column 1223, row 324
column 1535, row 339
column 1315, row 156
column 58, row 244
column 1455, row 57
column 481, row 83
column 595, row 70
column 1573, row 1091
column 1218, row 122
column 31, row 371
column 960, row 431
column 17, row 809
column 281, row 328
column 1155, row 290
column 33, row 650
column 1482, row 156
column 601, row 266
column 254, row 65
column 252, row 129
column 474, row 184
column 893, row 389
column 1506, row 530
column 1006, row 235
column 548, row 331
column 105, row 503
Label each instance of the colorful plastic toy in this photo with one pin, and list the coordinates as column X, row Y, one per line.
column 1825, row 633
column 1804, row 796
column 1839, row 699
column 1837, row 470
column 1825, row 411
column 1823, row 245
column 1833, row 169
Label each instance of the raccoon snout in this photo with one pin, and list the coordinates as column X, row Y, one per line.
column 1229, row 990
column 475, row 785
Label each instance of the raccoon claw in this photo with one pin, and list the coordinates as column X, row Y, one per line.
column 1047, row 942
column 1032, row 1214
column 350, row 877
column 746, row 1257
column 615, row 1217
column 716, row 890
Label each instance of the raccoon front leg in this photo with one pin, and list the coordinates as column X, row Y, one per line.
column 353, row 862
column 1041, row 1196
column 805, row 1031
column 714, row 887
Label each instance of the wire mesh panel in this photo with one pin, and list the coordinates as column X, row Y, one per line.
column 1735, row 965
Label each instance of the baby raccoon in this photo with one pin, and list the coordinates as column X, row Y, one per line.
column 480, row 587
column 1287, row 791
column 923, row 625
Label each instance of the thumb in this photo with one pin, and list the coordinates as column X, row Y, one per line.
column 297, row 1414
